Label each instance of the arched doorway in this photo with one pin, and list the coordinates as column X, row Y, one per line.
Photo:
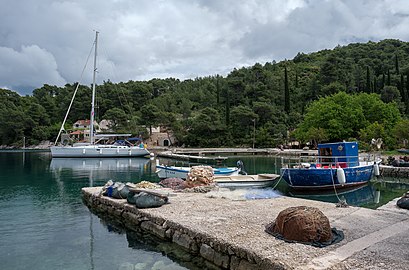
column 165, row 142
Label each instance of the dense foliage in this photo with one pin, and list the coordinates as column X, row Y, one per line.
column 359, row 91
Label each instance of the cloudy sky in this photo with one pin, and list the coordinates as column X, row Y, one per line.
column 48, row 41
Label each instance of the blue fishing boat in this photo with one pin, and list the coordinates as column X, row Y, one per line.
column 337, row 165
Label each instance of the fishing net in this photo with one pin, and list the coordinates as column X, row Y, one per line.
column 117, row 190
column 173, row 183
column 404, row 201
column 146, row 199
column 302, row 224
column 199, row 176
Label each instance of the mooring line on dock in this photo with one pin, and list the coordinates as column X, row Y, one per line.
column 344, row 252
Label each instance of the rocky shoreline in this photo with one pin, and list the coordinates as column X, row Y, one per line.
column 44, row 145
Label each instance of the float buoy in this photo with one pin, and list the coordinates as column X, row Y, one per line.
column 341, row 176
column 376, row 169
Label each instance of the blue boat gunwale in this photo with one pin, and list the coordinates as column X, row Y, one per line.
column 179, row 169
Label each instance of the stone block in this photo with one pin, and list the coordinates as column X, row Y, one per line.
column 245, row 265
column 182, row 239
column 234, row 263
column 154, row 229
column 221, row 260
column 207, row 252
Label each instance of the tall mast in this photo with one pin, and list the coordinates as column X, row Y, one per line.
column 91, row 126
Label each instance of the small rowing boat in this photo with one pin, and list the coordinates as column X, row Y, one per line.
column 258, row 180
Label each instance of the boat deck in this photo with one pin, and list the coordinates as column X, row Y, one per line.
column 230, row 233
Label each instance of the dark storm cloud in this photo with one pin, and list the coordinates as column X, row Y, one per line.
column 47, row 42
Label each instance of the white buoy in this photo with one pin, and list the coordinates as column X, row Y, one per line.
column 341, row 176
column 376, row 169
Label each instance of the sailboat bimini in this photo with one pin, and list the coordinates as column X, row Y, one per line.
column 91, row 149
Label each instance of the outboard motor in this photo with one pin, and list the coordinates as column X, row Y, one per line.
column 240, row 165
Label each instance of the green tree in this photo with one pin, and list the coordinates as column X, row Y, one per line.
column 242, row 118
column 332, row 88
column 118, row 119
column 372, row 131
column 206, row 129
column 150, row 116
column 401, row 132
column 390, row 94
column 286, row 92
column 342, row 116
column 396, row 64
column 368, row 81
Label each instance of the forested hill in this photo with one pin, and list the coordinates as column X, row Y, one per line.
column 273, row 99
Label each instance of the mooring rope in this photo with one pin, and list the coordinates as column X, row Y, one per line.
column 281, row 177
column 341, row 203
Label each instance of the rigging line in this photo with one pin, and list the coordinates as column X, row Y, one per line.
column 124, row 96
column 73, row 96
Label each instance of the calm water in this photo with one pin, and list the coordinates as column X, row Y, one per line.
column 44, row 224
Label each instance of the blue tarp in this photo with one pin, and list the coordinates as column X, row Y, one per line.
column 131, row 140
column 134, row 139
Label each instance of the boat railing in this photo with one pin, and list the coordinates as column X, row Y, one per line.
column 327, row 162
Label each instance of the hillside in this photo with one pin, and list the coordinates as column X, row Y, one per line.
column 270, row 98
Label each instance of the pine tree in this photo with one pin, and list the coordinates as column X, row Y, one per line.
column 402, row 88
column 368, row 80
column 218, row 89
column 375, row 85
column 407, row 93
column 396, row 64
column 227, row 107
column 383, row 81
column 296, row 79
column 286, row 93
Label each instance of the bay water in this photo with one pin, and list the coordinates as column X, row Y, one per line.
column 45, row 225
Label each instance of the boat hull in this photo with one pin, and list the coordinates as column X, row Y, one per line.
column 246, row 181
column 181, row 172
column 312, row 178
column 95, row 151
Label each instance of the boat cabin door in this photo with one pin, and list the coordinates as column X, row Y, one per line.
column 325, row 152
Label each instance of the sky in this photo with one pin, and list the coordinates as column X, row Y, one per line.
column 49, row 41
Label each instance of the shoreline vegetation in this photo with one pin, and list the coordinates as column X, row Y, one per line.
column 383, row 154
column 358, row 92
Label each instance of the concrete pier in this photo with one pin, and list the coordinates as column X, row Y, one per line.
column 211, row 152
column 390, row 171
column 230, row 234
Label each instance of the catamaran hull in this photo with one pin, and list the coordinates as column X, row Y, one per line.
column 314, row 179
column 97, row 152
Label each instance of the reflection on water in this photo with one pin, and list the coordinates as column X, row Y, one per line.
column 42, row 217
column 118, row 169
column 372, row 195
column 357, row 196
column 79, row 164
column 151, row 246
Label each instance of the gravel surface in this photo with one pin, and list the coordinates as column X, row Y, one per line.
column 241, row 223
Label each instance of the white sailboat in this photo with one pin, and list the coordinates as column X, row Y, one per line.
column 91, row 149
